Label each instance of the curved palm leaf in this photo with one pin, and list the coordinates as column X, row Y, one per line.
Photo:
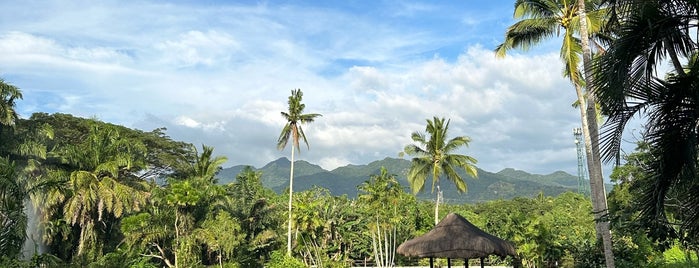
column 653, row 34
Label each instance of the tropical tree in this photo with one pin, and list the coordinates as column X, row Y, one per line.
column 100, row 186
column 598, row 193
column 631, row 80
column 13, row 222
column 185, row 219
column 385, row 203
column 25, row 145
column 321, row 224
column 434, row 157
column 206, row 166
column 8, row 95
column 629, row 179
column 254, row 206
column 543, row 19
column 292, row 130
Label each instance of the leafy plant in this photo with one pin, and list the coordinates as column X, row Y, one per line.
column 282, row 260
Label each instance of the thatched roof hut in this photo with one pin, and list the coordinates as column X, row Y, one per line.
column 456, row 238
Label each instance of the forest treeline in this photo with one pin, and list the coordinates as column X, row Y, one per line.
column 110, row 196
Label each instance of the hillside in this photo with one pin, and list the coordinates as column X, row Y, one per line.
column 506, row 184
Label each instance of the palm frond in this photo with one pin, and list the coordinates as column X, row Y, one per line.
column 456, row 143
column 418, row 173
column 284, row 137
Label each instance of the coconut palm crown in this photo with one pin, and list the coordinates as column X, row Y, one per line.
column 433, row 156
column 294, row 119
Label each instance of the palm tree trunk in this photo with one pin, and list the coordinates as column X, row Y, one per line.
column 436, row 207
column 588, row 112
column 291, row 192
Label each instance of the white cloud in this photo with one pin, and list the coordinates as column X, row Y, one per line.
column 221, row 75
column 330, row 163
column 187, row 122
column 195, row 47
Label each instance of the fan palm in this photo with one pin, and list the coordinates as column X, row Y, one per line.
column 293, row 130
column 543, row 19
column 434, row 157
column 653, row 35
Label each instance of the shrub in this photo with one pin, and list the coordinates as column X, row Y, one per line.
column 279, row 259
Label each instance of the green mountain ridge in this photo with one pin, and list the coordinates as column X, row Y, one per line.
column 558, row 178
column 505, row 184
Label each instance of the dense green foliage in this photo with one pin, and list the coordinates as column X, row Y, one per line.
column 148, row 201
column 651, row 70
column 110, row 196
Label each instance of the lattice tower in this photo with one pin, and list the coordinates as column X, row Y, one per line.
column 583, row 181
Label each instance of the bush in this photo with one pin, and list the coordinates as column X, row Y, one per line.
column 279, row 259
column 675, row 257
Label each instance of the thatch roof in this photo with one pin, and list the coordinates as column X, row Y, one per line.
column 454, row 237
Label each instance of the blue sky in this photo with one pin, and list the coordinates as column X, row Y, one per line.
column 219, row 73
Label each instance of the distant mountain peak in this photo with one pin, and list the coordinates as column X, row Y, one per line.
column 514, row 173
column 560, row 173
column 280, row 162
column 507, row 183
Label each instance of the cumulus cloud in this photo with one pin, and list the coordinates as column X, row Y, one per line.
column 221, row 76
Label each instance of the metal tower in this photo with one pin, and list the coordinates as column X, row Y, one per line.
column 583, row 181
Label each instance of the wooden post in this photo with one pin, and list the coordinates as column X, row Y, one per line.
column 465, row 263
column 448, row 262
column 431, row 262
column 482, row 265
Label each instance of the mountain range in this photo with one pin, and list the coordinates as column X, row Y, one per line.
column 505, row 184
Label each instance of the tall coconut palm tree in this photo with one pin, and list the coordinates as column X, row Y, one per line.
column 543, row 19
column 294, row 119
column 631, row 80
column 434, row 157
column 598, row 193
column 8, row 95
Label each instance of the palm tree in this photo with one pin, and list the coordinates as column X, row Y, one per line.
column 248, row 200
column 205, row 166
column 598, row 192
column 8, row 95
column 655, row 35
column 13, row 221
column 381, row 196
column 100, row 185
column 190, row 207
column 543, row 19
column 294, row 119
column 434, row 157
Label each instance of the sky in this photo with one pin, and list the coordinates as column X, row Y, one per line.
column 220, row 72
